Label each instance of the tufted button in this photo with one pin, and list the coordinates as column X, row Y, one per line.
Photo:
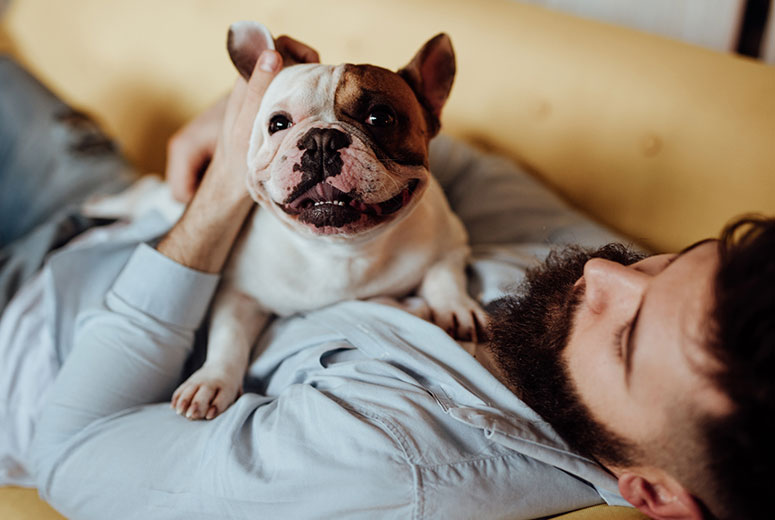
column 650, row 145
column 541, row 109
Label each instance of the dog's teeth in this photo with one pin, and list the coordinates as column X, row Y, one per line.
column 335, row 202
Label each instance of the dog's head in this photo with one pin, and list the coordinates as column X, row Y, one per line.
column 343, row 150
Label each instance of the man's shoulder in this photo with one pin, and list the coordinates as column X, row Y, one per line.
column 401, row 404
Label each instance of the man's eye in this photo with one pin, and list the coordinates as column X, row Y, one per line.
column 619, row 342
column 620, row 339
column 279, row 122
column 381, row 116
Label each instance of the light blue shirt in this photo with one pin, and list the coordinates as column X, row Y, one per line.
column 357, row 410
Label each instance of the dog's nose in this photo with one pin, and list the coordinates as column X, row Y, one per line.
column 321, row 158
column 327, row 140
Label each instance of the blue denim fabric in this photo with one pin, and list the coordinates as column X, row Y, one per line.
column 52, row 158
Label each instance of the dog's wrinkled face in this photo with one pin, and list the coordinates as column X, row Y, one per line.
column 339, row 150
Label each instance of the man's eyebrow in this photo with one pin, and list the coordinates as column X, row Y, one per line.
column 696, row 244
column 629, row 346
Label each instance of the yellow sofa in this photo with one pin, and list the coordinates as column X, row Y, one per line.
column 660, row 140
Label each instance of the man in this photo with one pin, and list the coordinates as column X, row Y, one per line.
column 362, row 410
column 659, row 368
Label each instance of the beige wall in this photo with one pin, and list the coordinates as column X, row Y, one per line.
column 709, row 23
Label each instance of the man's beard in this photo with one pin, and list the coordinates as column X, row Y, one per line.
column 529, row 332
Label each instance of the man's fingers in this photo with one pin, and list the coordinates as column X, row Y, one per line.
column 180, row 162
column 245, row 98
column 188, row 155
column 269, row 64
column 189, row 151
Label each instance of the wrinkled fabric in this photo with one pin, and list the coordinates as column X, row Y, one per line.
column 357, row 410
column 52, row 158
column 354, row 410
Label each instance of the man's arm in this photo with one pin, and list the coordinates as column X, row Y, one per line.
column 131, row 352
column 103, row 449
column 204, row 235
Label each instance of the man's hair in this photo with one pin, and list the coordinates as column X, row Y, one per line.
column 741, row 444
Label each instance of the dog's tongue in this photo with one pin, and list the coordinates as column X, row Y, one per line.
column 325, row 191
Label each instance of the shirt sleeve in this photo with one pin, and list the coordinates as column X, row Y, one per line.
column 108, row 445
column 131, row 350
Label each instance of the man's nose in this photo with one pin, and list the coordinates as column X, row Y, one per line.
column 613, row 286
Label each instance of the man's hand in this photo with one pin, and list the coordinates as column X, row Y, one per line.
column 206, row 231
column 190, row 149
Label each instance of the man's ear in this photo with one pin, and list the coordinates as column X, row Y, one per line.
column 430, row 74
column 247, row 40
column 658, row 495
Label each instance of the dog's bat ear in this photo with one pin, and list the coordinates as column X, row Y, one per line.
column 246, row 42
column 430, row 74
column 294, row 51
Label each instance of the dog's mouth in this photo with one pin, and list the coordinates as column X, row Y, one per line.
column 324, row 205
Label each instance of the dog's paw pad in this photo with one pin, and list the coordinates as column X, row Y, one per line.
column 205, row 394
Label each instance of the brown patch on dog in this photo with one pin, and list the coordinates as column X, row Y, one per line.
column 364, row 87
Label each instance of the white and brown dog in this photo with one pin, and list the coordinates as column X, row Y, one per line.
column 338, row 162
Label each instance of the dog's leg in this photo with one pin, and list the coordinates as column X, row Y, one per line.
column 236, row 322
column 444, row 289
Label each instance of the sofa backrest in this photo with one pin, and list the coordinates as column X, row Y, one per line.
column 659, row 139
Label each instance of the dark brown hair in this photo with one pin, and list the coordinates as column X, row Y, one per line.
column 741, row 444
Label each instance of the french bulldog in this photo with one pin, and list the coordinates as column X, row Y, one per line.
column 338, row 163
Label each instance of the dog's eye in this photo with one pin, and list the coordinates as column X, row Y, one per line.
column 279, row 122
column 381, row 115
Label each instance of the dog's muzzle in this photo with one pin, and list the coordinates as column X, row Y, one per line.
column 324, row 205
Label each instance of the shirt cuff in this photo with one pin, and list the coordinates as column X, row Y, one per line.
column 165, row 289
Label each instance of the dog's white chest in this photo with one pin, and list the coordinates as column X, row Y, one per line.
column 288, row 273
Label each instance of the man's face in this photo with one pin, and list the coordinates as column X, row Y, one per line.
column 636, row 353
column 609, row 351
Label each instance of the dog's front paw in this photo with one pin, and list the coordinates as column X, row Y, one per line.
column 461, row 317
column 208, row 392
